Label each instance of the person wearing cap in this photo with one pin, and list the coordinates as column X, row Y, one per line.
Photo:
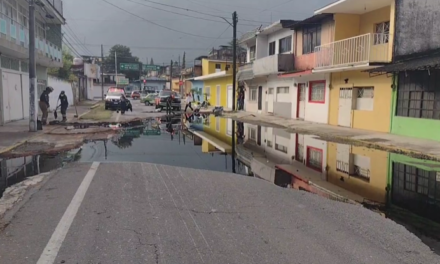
column 44, row 104
column 64, row 104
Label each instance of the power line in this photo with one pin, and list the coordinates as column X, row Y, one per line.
column 141, row 47
column 156, row 24
column 77, row 39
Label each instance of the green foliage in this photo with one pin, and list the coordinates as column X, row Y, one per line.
column 64, row 72
column 123, row 55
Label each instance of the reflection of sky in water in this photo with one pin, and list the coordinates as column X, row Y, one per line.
column 155, row 149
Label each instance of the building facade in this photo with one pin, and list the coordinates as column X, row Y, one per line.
column 270, row 51
column 14, row 43
column 217, row 82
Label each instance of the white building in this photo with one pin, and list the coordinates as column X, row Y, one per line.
column 14, row 52
column 269, row 53
column 275, row 80
column 282, row 147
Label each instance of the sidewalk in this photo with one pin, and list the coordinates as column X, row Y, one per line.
column 16, row 133
column 417, row 148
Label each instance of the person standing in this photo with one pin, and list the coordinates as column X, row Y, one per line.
column 188, row 102
column 64, row 104
column 44, row 104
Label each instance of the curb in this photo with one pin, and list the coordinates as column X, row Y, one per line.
column 24, row 141
column 95, row 105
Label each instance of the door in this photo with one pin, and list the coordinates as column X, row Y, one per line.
column 345, row 106
column 260, row 98
column 269, row 100
column 230, row 95
column 229, row 127
column 301, row 103
column 218, row 95
column 12, row 96
column 25, row 89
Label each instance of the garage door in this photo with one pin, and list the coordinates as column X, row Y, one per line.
column 12, row 97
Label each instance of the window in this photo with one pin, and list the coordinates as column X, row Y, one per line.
column 382, row 33
column 362, row 165
column 218, row 67
column 281, row 148
column 252, row 133
column 285, row 45
column 282, row 90
column 311, row 39
column 418, row 94
column 253, row 94
column 317, row 92
column 299, row 152
column 314, row 158
column 23, row 16
column 365, row 98
column 272, row 48
column 269, row 143
column 270, row 91
column 252, row 53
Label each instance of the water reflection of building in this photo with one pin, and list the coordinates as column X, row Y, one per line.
column 415, row 185
column 216, row 135
column 358, row 169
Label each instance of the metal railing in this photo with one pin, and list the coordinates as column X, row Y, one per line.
column 352, row 51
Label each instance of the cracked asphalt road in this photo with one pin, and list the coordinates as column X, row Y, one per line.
column 147, row 213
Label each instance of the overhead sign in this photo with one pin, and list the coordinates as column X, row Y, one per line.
column 152, row 132
column 129, row 66
column 149, row 67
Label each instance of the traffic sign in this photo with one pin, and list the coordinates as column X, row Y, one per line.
column 129, row 66
column 152, row 132
column 123, row 81
column 149, row 67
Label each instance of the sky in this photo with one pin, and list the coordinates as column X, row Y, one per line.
column 190, row 26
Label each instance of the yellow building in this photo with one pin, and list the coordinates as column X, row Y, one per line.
column 360, row 170
column 175, row 85
column 363, row 39
column 217, row 78
column 216, row 135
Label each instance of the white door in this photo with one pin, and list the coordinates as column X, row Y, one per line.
column 301, row 101
column 13, row 97
column 269, row 100
column 218, row 95
column 345, row 106
column 230, row 94
column 229, row 127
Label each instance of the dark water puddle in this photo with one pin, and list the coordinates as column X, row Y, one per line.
column 15, row 170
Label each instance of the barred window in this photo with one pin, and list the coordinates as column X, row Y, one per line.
column 270, row 91
column 282, row 90
column 418, row 94
column 253, row 94
column 269, row 143
column 317, row 92
column 382, row 33
column 343, row 167
column 365, row 98
column 281, row 148
column 314, row 158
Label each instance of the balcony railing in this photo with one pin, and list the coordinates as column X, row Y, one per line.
column 273, row 64
column 353, row 51
column 19, row 34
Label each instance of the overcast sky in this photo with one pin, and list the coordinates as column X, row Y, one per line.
column 95, row 22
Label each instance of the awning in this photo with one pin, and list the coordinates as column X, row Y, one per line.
column 421, row 63
column 245, row 75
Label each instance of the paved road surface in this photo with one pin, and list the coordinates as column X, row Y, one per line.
column 146, row 213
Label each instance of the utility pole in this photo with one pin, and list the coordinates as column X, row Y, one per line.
column 33, row 112
column 171, row 75
column 234, row 82
column 116, row 69
column 102, row 71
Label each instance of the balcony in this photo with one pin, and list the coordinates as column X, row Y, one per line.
column 273, row 64
column 245, row 72
column 55, row 9
column 359, row 51
column 14, row 42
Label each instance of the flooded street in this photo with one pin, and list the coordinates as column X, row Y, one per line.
column 165, row 169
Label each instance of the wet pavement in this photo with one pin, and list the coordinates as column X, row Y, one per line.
column 399, row 187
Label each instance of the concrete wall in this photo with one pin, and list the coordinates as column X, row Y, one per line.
column 283, row 104
column 412, row 18
column 276, row 36
column 58, row 86
column 214, row 85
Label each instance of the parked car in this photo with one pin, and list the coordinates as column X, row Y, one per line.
column 149, row 99
column 135, row 95
column 161, row 100
column 113, row 97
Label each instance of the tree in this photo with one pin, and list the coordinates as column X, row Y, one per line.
column 183, row 61
column 151, row 61
column 123, row 55
column 64, row 72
